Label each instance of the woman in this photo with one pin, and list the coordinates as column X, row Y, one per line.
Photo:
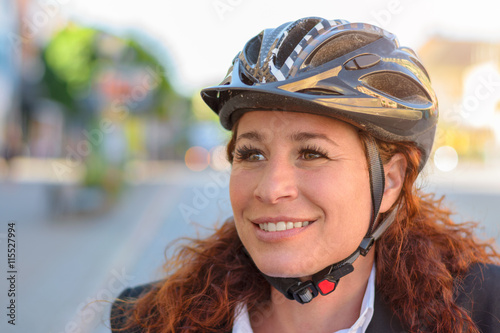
column 332, row 123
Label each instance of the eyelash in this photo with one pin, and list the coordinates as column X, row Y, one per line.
column 243, row 153
column 313, row 149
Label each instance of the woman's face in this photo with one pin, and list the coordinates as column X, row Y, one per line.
column 299, row 191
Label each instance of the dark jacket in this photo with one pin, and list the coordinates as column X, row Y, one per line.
column 479, row 293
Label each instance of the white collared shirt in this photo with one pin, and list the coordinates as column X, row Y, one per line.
column 242, row 320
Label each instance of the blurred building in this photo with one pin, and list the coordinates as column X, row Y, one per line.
column 10, row 138
column 85, row 101
column 466, row 77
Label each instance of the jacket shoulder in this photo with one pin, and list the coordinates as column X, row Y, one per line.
column 125, row 302
column 479, row 294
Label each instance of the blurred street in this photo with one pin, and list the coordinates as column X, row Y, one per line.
column 67, row 264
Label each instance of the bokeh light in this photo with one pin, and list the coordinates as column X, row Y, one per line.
column 218, row 159
column 446, row 158
column 197, row 158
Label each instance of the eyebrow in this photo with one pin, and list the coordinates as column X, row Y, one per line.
column 304, row 136
column 252, row 135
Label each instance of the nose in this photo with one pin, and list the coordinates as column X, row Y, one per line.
column 277, row 182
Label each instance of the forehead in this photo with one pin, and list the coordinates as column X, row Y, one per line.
column 273, row 122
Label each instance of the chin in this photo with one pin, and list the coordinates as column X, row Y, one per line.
column 286, row 270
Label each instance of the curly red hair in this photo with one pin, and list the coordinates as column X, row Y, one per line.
column 418, row 259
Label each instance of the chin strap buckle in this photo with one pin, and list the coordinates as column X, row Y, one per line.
column 327, row 285
column 324, row 284
column 327, row 280
column 304, row 292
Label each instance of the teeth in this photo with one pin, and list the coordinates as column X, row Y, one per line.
column 282, row 226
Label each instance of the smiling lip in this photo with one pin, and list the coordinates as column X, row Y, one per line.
column 279, row 219
column 281, row 227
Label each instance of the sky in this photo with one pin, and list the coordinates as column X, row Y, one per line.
column 201, row 37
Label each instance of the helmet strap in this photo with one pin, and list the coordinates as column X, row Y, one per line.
column 325, row 281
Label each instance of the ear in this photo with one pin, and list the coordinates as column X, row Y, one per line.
column 395, row 171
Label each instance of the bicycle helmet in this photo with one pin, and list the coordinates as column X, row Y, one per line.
column 354, row 72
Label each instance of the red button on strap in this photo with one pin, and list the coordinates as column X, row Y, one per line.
column 326, row 287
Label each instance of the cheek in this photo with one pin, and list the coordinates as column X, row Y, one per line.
column 240, row 189
column 241, row 194
column 343, row 195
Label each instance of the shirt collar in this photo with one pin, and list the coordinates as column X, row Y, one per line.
column 366, row 312
column 242, row 320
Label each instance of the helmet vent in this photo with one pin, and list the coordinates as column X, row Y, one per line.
column 247, row 79
column 419, row 64
column 252, row 49
column 338, row 46
column 319, row 91
column 293, row 38
column 398, row 86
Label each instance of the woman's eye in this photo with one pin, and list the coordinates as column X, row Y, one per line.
column 248, row 154
column 254, row 157
column 310, row 155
